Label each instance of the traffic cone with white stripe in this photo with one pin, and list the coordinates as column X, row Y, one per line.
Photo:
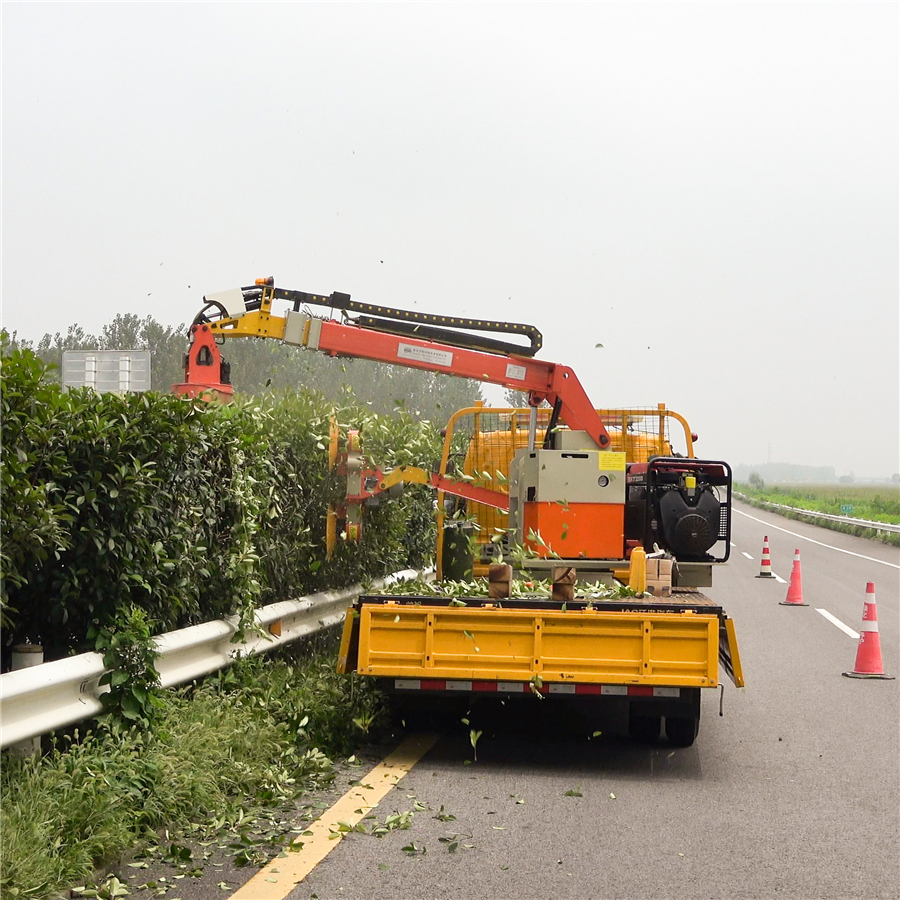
column 765, row 564
column 795, row 588
column 868, row 652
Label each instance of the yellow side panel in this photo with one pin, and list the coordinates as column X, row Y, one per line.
column 588, row 646
column 344, row 664
column 729, row 655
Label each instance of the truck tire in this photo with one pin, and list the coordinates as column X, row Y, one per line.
column 644, row 728
column 682, row 731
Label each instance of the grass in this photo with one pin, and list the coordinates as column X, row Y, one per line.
column 253, row 737
column 876, row 503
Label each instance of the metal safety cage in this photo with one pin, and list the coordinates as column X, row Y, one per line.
column 481, row 441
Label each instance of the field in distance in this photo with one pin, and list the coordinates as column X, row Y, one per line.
column 875, row 502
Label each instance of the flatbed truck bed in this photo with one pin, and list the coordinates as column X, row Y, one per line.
column 659, row 649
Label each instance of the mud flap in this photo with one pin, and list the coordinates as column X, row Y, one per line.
column 729, row 656
column 349, row 649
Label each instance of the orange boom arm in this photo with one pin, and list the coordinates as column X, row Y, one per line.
column 451, row 352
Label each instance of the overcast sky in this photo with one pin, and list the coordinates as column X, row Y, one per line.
column 709, row 190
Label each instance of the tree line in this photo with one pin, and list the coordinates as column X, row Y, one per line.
column 261, row 366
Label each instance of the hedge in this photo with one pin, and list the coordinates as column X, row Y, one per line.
column 181, row 509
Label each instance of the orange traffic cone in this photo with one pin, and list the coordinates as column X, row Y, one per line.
column 795, row 588
column 765, row 564
column 868, row 652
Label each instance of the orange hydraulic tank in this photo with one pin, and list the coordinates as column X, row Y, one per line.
column 589, row 530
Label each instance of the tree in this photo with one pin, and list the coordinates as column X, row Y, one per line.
column 166, row 344
column 259, row 366
column 515, row 399
column 126, row 332
column 50, row 348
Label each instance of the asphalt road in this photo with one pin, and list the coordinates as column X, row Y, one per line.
column 793, row 793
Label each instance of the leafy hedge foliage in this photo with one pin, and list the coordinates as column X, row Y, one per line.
column 185, row 511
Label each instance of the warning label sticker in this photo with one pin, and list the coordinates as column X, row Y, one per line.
column 515, row 372
column 610, row 461
column 425, row 354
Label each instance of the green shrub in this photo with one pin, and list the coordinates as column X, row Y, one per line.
column 186, row 511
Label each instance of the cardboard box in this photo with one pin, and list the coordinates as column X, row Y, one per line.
column 659, row 570
column 659, row 588
column 659, row 577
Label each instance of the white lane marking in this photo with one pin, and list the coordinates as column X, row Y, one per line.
column 836, row 621
column 811, row 541
column 733, row 544
column 779, row 579
column 746, row 554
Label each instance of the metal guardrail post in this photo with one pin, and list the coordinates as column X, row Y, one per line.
column 26, row 656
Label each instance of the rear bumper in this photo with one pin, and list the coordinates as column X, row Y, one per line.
column 638, row 699
column 403, row 685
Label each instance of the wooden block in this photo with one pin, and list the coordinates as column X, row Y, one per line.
column 500, row 573
column 564, row 575
column 498, row 590
column 562, row 593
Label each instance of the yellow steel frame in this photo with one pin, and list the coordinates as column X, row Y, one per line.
column 258, row 323
column 405, row 475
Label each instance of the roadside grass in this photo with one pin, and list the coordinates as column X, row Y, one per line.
column 253, row 737
column 877, row 503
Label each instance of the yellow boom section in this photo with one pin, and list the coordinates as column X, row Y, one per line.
column 586, row 646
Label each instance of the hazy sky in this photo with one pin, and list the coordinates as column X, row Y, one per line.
column 709, row 190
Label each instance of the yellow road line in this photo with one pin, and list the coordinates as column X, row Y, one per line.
column 277, row 879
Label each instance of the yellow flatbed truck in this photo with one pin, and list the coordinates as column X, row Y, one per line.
column 651, row 654
column 657, row 654
column 582, row 490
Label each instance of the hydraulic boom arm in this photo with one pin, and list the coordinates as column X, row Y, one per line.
column 247, row 312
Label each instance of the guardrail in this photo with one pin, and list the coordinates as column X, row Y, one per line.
column 42, row 698
column 812, row 514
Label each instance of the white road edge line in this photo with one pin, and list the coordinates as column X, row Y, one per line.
column 744, row 552
column 779, row 579
column 811, row 541
column 836, row 621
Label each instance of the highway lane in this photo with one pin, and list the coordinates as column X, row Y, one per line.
column 793, row 793
column 835, row 566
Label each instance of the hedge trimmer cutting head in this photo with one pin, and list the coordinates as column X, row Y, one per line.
column 206, row 374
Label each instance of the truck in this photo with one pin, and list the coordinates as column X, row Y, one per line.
column 579, row 496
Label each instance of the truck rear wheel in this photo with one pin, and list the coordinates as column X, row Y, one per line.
column 682, row 731
column 644, row 728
